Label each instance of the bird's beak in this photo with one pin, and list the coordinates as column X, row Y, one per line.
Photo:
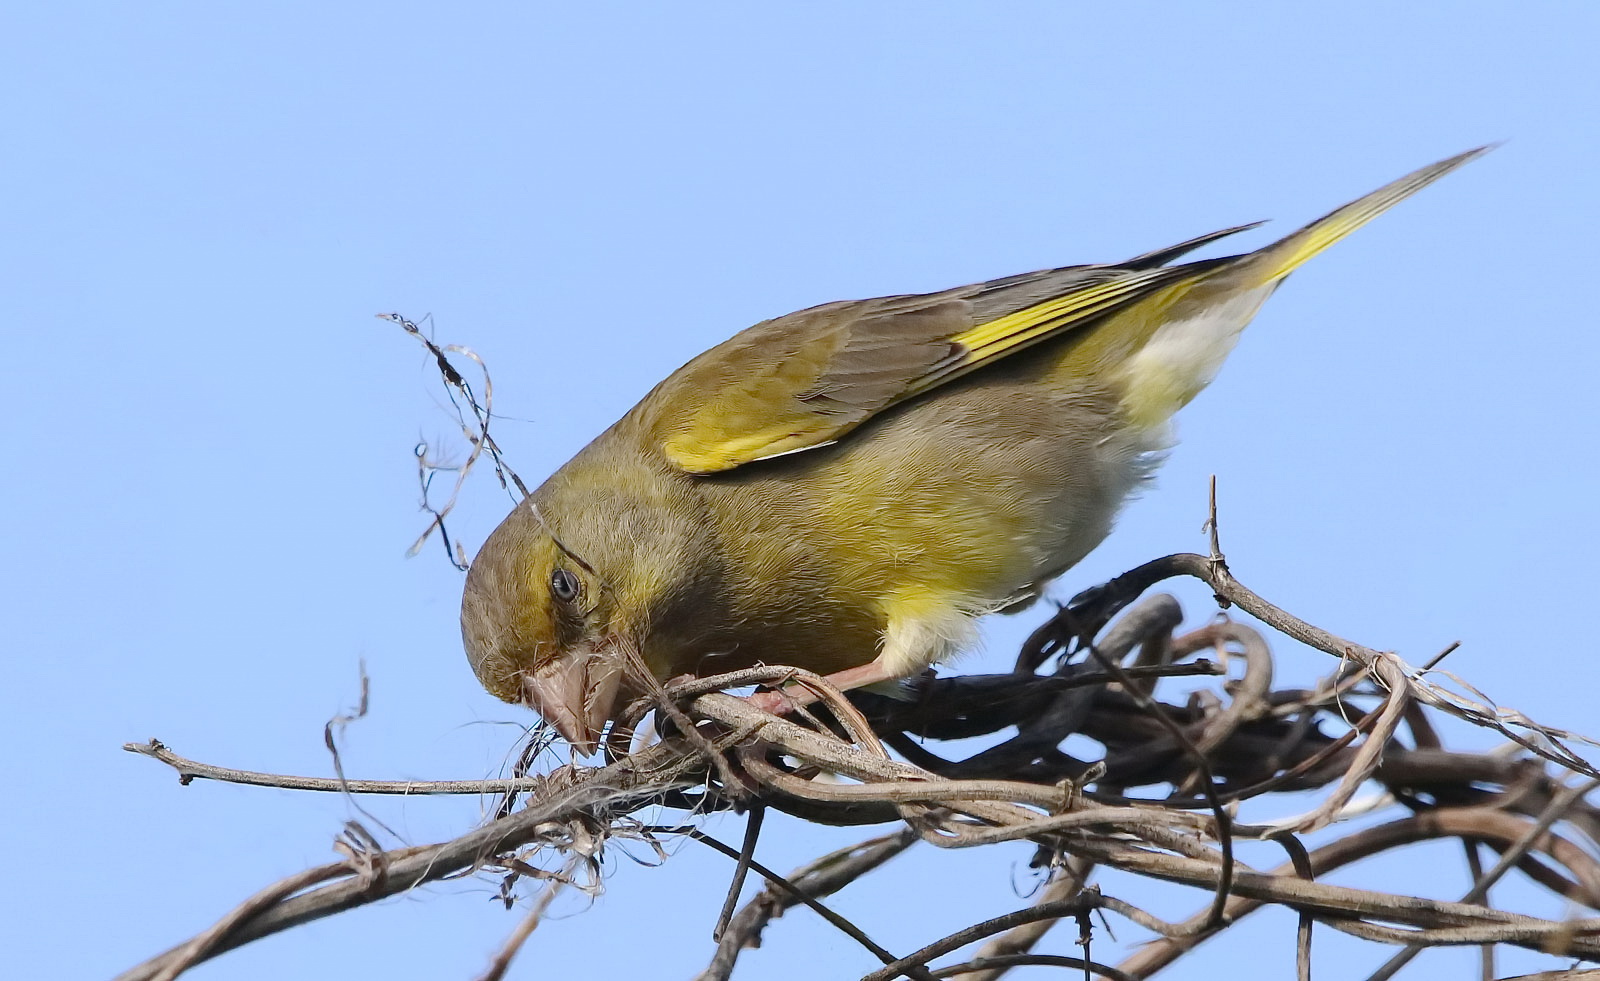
column 577, row 694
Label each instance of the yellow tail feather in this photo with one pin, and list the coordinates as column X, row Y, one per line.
column 1177, row 338
column 1285, row 256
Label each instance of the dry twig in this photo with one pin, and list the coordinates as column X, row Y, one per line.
column 1159, row 801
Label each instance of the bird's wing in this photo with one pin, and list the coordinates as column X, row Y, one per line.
column 806, row 379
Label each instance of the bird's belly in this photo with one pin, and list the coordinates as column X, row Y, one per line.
column 986, row 492
column 939, row 512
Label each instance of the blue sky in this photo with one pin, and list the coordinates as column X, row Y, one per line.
column 212, row 483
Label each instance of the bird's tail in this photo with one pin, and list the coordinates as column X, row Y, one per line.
column 1181, row 333
column 1289, row 253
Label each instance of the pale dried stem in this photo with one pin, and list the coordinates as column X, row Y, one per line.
column 730, row 749
column 1068, row 881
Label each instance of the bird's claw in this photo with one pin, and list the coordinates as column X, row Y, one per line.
column 773, row 702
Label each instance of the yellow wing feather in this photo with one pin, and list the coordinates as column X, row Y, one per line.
column 808, row 379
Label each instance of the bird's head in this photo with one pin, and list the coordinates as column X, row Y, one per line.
column 580, row 582
column 536, row 626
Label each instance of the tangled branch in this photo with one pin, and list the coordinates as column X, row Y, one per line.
column 1161, row 801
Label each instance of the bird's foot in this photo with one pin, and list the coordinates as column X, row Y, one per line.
column 789, row 697
column 676, row 680
column 774, row 702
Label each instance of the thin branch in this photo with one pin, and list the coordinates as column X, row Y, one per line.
column 206, row 944
column 189, row 770
column 1301, row 860
column 502, row 958
column 1053, row 910
column 1208, row 783
column 476, row 433
column 598, row 792
column 1241, row 742
column 1475, row 866
column 1557, row 809
column 752, row 833
column 799, row 895
column 1546, row 741
column 988, row 964
column 1475, row 822
column 992, row 958
column 822, row 877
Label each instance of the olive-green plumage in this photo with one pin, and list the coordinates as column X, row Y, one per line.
column 848, row 487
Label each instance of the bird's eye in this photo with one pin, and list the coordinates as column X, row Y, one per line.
column 563, row 585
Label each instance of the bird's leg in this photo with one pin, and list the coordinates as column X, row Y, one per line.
column 782, row 702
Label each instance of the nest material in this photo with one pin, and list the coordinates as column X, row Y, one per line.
column 1163, row 799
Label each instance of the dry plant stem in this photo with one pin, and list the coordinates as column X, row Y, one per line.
column 1068, row 882
column 842, row 924
column 1068, row 907
column 1250, row 696
column 621, row 788
column 1227, row 588
column 1079, row 906
column 205, row 944
column 1305, row 766
column 994, row 965
column 1208, row 782
column 627, row 785
column 1464, row 936
column 1147, row 625
column 819, row 686
column 1342, row 902
column 1211, row 526
column 805, row 885
column 1475, row 866
column 476, row 434
column 1482, row 881
column 1013, row 822
column 519, row 936
column 1461, row 822
column 1255, row 739
column 1536, row 836
column 189, row 770
column 1369, row 754
column 752, row 833
column 1301, row 860
column 639, row 671
column 1318, row 898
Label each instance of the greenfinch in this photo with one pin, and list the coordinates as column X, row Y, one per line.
column 848, row 488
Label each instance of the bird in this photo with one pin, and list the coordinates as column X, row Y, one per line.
column 848, row 488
